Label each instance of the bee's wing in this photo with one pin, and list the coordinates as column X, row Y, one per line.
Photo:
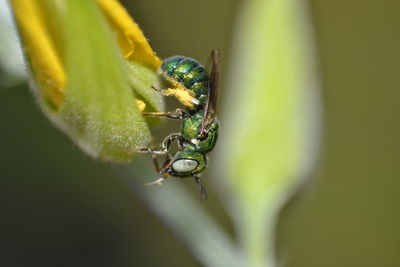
column 213, row 83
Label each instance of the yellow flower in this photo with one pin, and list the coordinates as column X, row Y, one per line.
column 84, row 83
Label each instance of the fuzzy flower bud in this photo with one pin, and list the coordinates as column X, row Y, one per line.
column 91, row 71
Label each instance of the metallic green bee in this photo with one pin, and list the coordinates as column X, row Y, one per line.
column 198, row 91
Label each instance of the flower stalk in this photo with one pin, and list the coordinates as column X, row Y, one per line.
column 270, row 139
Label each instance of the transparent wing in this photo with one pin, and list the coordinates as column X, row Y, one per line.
column 213, row 83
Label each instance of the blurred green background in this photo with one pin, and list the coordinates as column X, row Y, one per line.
column 60, row 208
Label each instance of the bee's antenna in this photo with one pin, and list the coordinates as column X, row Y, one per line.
column 202, row 189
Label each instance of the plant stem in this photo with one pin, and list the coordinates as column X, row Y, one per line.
column 184, row 215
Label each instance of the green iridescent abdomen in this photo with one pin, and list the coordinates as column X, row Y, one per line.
column 188, row 72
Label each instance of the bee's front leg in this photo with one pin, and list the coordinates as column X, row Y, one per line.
column 179, row 114
column 163, row 149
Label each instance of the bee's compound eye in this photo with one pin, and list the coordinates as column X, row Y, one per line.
column 184, row 165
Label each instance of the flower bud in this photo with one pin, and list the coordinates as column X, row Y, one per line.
column 90, row 65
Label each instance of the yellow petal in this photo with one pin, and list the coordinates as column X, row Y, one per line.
column 131, row 39
column 43, row 55
column 45, row 62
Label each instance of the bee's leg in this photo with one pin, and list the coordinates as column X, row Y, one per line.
column 155, row 162
column 158, row 181
column 202, row 190
column 163, row 149
column 167, row 143
column 179, row 114
column 160, row 170
column 167, row 163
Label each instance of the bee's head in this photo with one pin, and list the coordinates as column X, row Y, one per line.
column 184, row 163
